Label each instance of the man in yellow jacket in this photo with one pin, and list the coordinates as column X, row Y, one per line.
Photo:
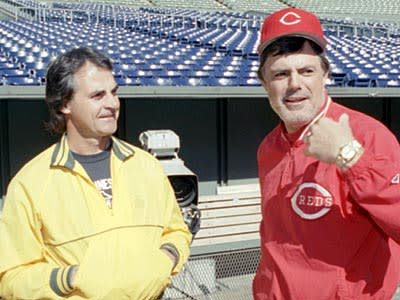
column 91, row 217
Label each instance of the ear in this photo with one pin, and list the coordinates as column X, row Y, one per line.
column 326, row 76
column 66, row 109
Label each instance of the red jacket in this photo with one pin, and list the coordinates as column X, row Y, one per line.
column 327, row 234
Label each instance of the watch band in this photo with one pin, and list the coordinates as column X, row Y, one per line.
column 348, row 153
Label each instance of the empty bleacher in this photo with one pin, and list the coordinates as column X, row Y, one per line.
column 162, row 46
column 154, row 45
column 255, row 5
column 355, row 9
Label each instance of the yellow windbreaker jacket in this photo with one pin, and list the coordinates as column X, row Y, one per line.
column 54, row 217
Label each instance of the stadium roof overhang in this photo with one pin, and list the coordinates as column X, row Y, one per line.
column 132, row 92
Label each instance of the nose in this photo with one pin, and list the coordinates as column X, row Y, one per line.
column 112, row 101
column 294, row 81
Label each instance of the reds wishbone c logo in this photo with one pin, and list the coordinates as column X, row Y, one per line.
column 286, row 18
column 311, row 201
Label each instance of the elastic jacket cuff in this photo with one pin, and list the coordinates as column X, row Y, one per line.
column 173, row 251
column 60, row 280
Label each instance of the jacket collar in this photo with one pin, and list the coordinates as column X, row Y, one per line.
column 62, row 155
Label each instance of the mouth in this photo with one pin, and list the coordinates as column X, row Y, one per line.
column 107, row 117
column 295, row 99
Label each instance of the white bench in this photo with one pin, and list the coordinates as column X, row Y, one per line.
column 231, row 216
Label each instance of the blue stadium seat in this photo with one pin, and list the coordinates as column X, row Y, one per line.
column 382, row 80
column 198, row 47
column 17, row 80
column 340, row 78
column 393, row 83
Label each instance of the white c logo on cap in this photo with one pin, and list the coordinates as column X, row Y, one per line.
column 296, row 20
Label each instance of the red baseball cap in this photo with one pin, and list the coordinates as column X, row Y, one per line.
column 291, row 22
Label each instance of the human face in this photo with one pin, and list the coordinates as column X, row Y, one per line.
column 93, row 111
column 295, row 83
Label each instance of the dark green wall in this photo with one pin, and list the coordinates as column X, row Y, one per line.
column 219, row 137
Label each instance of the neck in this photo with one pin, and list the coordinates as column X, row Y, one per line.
column 87, row 146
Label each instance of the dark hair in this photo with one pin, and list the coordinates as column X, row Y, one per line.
column 287, row 45
column 60, row 86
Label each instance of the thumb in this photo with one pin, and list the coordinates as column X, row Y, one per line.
column 344, row 120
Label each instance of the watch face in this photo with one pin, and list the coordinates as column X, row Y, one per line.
column 348, row 152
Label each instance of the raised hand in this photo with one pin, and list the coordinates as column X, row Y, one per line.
column 326, row 137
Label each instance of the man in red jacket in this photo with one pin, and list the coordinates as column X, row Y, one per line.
column 329, row 179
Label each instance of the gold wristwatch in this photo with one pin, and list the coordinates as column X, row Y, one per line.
column 348, row 153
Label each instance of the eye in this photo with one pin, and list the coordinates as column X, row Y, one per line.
column 280, row 75
column 308, row 71
column 114, row 91
column 98, row 96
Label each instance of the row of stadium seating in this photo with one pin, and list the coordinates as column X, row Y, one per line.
column 372, row 9
column 360, row 9
column 386, row 9
column 365, row 61
column 233, row 5
column 155, row 46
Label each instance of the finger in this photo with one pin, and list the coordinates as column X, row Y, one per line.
column 306, row 136
column 344, row 120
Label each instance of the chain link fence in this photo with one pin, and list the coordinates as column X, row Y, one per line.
column 217, row 276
